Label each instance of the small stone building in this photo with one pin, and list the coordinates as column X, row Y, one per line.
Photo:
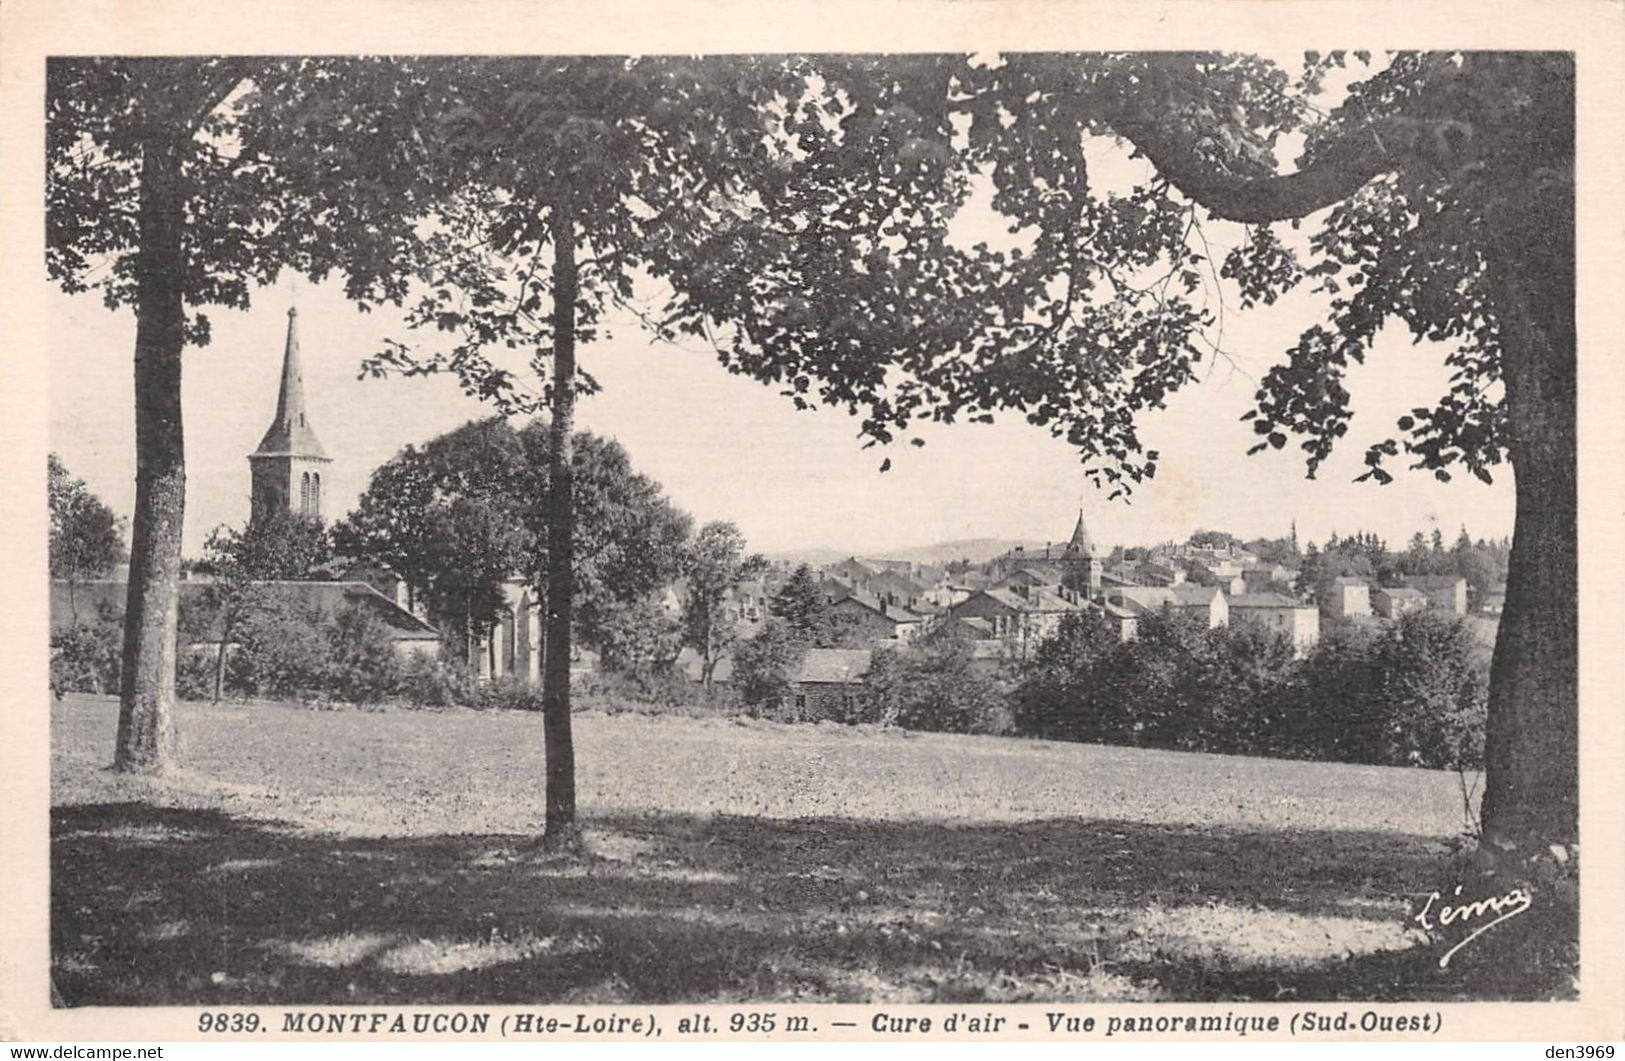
column 1270, row 611
column 1445, row 593
column 1350, row 598
column 1391, row 602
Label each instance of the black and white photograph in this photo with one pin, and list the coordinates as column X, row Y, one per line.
column 804, row 543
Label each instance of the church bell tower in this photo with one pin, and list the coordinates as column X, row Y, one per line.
column 1080, row 566
column 287, row 468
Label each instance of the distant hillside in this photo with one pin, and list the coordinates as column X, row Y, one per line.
column 976, row 550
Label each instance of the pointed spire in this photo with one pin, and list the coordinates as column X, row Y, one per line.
column 1080, row 545
column 290, row 434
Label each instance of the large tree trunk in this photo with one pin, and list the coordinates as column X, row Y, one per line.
column 562, row 832
column 1531, row 792
column 147, row 687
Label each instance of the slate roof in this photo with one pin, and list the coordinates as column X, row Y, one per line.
column 1036, row 600
column 837, row 666
column 1401, row 592
column 1184, row 595
column 1191, row 595
column 326, row 599
column 1264, row 600
column 896, row 613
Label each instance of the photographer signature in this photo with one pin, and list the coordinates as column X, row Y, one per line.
column 1504, row 907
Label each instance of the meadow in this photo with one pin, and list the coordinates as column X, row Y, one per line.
column 351, row 856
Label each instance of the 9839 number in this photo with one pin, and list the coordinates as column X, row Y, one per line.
column 228, row 1022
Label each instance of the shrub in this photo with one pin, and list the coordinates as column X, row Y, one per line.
column 428, row 680
column 1178, row 684
column 363, row 666
column 507, row 694
column 636, row 636
column 1409, row 694
column 655, row 692
column 284, row 651
column 1434, row 693
column 936, row 687
column 194, row 674
column 86, row 658
column 766, row 665
column 1058, row 697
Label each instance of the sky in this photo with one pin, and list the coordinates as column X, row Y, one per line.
column 727, row 447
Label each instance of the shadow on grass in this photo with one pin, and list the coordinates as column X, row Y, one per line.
column 168, row 906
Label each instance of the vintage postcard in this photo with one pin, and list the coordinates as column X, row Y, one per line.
column 919, row 521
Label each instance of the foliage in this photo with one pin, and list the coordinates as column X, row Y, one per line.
column 278, row 546
column 195, row 675
column 363, row 666
column 800, row 603
column 638, row 636
column 430, row 680
column 283, row 652
column 715, row 565
column 281, row 163
column 766, row 665
column 1057, row 697
column 87, row 539
column 658, row 692
column 241, row 565
column 1410, row 694
column 800, row 209
column 85, row 657
column 936, row 686
column 466, row 512
column 1214, row 539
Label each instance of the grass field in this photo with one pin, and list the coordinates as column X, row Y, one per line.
column 347, row 856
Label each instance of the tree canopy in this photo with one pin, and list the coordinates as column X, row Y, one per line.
column 87, row 539
column 799, row 213
column 460, row 515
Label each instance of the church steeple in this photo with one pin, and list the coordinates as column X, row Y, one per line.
column 290, row 434
column 1080, row 545
column 1081, row 568
column 288, row 462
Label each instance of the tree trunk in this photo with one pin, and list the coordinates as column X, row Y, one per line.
column 562, row 832
column 1531, row 755
column 146, row 734
column 220, row 666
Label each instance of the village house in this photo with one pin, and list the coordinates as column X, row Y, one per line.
column 896, row 588
column 103, row 600
column 1023, row 614
column 852, row 573
column 829, row 683
column 1269, row 578
column 1445, row 593
column 1391, row 602
column 1225, row 574
column 1206, row 604
column 970, row 627
column 878, row 619
column 1271, row 611
column 1349, row 598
